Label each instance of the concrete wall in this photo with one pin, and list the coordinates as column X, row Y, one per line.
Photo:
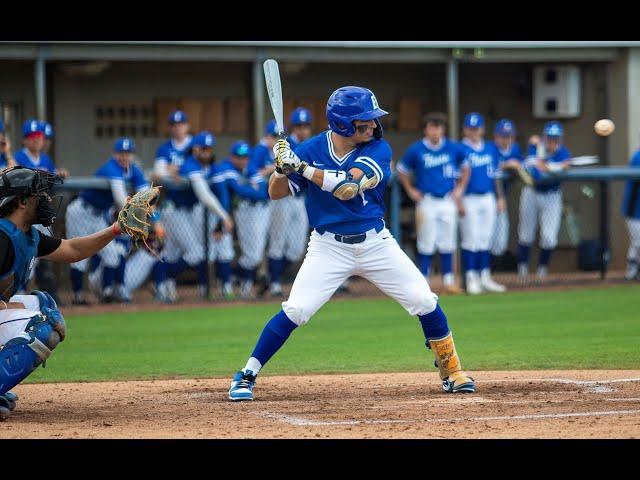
column 17, row 86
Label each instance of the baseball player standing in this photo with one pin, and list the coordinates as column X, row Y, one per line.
column 631, row 213
column 482, row 197
column 187, row 216
column 288, row 232
column 169, row 158
column 91, row 211
column 345, row 202
column 542, row 203
column 433, row 160
column 31, row 326
column 6, row 156
column 251, row 213
column 509, row 156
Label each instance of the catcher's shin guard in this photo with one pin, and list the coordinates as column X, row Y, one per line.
column 454, row 379
column 21, row 355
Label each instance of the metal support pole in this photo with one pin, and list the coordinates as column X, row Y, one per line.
column 206, row 252
column 603, row 150
column 40, row 84
column 258, row 97
column 452, row 98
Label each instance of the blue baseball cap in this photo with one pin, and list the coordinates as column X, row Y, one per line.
column 240, row 148
column 553, row 129
column 47, row 129
column 124, row 145
column 505, row 128
column 300, row 116
column 473, row 120
column 270, row 129
column 204, row 140
column 178, row 117
column 31, row 127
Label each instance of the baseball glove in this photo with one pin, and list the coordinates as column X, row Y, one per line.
column 135, row 217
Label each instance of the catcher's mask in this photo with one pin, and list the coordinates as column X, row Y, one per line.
column 25, row 182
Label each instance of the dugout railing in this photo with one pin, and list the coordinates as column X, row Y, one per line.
column 581, row 256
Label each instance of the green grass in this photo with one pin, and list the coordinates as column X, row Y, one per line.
column 595, row 328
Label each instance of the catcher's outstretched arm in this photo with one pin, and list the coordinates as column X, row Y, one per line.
column 79, row 248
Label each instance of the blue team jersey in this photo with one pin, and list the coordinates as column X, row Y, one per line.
column 173, row 156
column 512, row 153
column 190, row 167
column 3, row 160
column 112, row 170
column 483, row 162
column 559, row 156
column 326, row 213
column 238, row 184
column 435, row 168
column 261, row 156
column 631, row 197
column 43, row 163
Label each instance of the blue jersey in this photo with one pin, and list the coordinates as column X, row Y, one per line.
column 238, row 184
column 3, row 160
column 631, row 197
column 24, row 159
column 103, row 199
column 435, row 168
column 559, row 156
column 261, row 156
column 169, row 153
column 326, row 213
column 512, row 153
column 483, row 162
column 190, row 167
column 25, row 247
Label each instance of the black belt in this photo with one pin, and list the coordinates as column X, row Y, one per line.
column 351, row 238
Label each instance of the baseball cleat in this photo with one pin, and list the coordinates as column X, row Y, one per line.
column 12, row 398
column 4, row 413
column 489, row 285
column 242, row 386
column 459, row 382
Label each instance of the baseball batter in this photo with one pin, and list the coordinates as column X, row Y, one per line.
column 169, row 158
column 541, row 204
column 90, row 211
column 187, row 216
column 631, row 213
column 482, row 199
column 433, row 160
column 288, row 232
column 251, row 214
column 344, row 172
column 509, row 156
column 31, row 326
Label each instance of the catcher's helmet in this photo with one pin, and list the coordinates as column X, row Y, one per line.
column 347, row 104
column 300, row 116
column 23, row 181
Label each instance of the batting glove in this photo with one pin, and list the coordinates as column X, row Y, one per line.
column 286, row 160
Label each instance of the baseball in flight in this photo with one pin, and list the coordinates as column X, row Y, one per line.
column 604, row 127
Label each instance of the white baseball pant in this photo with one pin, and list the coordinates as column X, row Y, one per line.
column 542, row 207
column 252, row 225
column 184, row 230
column 137, row 269
column 500, row 238
column 436, row 225
column 379, row 259
column 289, row 228
column 633, row 225
column 476, row 226
column 14, row 321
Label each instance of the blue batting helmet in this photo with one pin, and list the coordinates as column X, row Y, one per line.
column 347, row 104
column 124, row 145
column 204, row 140
column 240, row 148
column 553, row 129
column 270, row 129
column 473, row 120
column 300, row 116
column 505, row 128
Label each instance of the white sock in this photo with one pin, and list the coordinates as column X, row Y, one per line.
column 523, row 269
column 448, row 279
column 485, row 274
column 254, row 365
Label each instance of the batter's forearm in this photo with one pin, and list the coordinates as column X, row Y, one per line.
column 79, row 248
column 278, row 187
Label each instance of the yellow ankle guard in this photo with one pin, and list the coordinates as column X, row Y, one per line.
column 447, row 359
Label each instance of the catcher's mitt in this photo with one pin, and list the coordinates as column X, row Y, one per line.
column 135, row 217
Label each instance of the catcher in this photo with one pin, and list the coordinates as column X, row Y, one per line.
column 31, row 326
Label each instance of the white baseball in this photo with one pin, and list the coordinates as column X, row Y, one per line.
column 604, row 127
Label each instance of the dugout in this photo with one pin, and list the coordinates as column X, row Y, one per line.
column 93, row 93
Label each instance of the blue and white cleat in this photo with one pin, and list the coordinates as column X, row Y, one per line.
column 242, row 386
column 459, row 382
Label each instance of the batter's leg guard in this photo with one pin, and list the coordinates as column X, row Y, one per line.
column 454, row 379
column 22, row 355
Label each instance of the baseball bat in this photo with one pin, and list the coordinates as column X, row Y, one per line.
column 274, row 89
